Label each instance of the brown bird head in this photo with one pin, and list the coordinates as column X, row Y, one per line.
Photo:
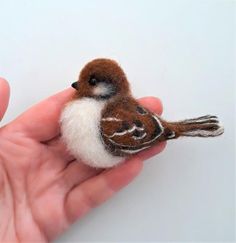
column 101, row 79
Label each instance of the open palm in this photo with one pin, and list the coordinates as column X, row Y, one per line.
column 43, row 190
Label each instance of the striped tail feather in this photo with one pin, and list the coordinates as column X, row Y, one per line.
column 204, row 126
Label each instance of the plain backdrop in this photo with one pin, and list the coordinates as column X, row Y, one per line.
column 180, row 51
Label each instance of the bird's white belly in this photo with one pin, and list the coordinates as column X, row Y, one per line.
column 80, row 127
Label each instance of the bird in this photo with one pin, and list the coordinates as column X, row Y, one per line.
column 103, row 124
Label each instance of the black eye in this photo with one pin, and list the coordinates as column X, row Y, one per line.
column 93, row 81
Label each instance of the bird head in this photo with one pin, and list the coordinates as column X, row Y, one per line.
column 101, row 79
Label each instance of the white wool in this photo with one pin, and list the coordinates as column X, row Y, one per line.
column 139, row 138
column 102, row 89
column 80, row 127
column 111, row 119
column 204, row 133
column 134, row 151
column 133, row 128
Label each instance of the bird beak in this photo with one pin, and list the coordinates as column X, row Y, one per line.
column 75, row 85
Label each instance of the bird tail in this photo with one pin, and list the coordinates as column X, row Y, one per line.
column 204, row 126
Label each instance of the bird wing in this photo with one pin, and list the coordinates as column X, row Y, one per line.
column 129, row 130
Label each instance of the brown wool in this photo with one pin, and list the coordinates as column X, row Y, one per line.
column 126, row 127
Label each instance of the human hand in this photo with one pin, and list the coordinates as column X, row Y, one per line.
column 43, row 190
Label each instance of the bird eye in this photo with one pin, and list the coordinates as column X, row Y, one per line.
column 93, row 81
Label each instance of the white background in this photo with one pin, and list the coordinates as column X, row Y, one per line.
column 180, row 51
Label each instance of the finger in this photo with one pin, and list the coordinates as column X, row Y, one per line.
column 98, row 189
column 4, row 96
column 41, row 121
column 147, row 154
column 152, row 103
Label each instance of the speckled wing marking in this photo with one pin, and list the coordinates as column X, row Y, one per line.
column 127, row 132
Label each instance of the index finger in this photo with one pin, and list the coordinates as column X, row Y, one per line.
column 4, row 96
column 41, row 121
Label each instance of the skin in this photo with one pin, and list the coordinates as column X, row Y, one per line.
column 43, row 190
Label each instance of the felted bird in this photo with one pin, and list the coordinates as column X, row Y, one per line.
column 104, row 124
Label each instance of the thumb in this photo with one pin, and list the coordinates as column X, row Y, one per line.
column 4, row 96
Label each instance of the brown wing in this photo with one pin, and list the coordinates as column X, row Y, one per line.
column 128, row 128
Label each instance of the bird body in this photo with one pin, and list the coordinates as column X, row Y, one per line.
column 81, row 131
column 104, row 124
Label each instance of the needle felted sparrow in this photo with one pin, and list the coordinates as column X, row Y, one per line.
column 104, row 124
